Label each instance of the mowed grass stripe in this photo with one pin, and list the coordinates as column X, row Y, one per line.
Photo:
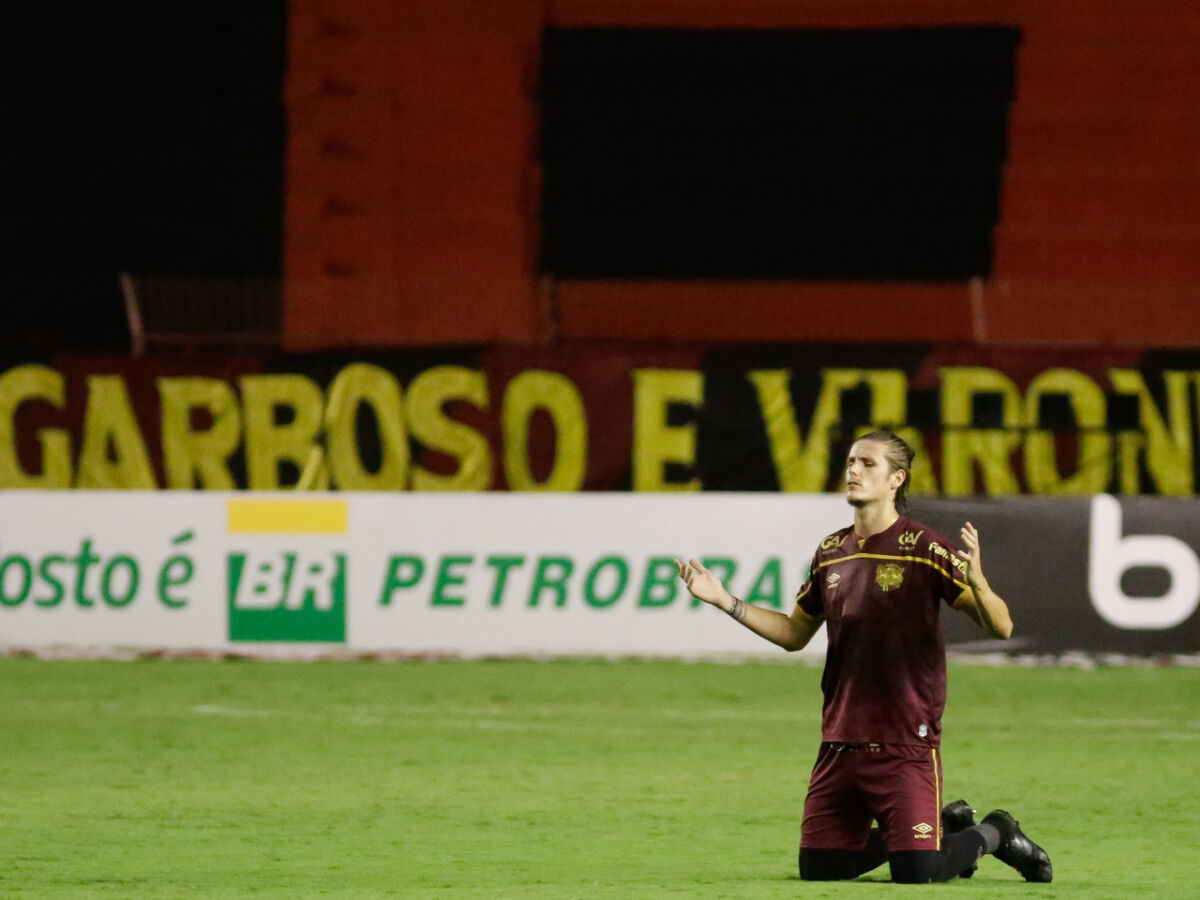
column 547, row 779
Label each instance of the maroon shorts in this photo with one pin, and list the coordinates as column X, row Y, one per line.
column 897, row 785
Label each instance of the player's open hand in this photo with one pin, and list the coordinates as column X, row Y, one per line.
column 701, row 583
column 972, row 554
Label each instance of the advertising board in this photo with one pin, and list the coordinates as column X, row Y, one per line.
column 545, row 574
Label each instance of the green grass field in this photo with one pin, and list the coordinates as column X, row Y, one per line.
column 550, row 779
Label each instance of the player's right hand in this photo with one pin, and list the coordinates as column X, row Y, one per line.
column 701, row 583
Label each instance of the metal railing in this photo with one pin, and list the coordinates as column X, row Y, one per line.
column 180, row 312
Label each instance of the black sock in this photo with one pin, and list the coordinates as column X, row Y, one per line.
column 959, row 852
column 990, row 835
column 963, row 850
column 838, row 865
column 874, row 854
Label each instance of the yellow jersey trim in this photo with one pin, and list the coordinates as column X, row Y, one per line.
column 805, row 590
column 809, row 617
column 920, row 559
column 965, row 599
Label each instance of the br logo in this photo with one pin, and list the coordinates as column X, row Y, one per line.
column 286, row 596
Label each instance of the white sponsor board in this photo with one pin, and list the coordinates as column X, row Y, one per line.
column 461, row 574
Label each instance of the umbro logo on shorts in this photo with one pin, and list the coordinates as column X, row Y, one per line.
column 923, row 830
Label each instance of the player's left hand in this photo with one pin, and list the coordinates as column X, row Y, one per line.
column 974, row 559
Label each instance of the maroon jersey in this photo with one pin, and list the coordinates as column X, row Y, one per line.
column 885, row 669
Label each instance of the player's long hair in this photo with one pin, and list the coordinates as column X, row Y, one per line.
column 900, row 457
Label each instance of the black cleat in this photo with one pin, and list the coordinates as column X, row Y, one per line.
column 1017, row 850
column 959, row 816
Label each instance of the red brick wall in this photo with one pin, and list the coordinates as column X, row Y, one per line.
column 412, row 183
column 410, row 209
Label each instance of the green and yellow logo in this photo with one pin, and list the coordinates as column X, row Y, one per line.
column 286, row 594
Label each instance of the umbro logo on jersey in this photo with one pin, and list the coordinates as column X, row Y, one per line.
column 832, row 580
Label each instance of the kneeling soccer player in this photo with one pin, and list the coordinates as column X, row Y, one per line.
column 879, row 586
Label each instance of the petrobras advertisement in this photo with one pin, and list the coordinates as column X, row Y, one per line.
column 557, row 574
column 464, row 574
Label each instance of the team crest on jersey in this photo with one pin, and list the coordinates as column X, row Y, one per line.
column 889, row 576
column 831, row 543
column 908, row 540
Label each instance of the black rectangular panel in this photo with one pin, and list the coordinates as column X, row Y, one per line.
column 798, row 153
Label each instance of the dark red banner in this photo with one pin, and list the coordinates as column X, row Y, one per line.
column 606, row 417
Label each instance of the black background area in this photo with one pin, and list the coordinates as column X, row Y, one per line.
column 139, row 137
column 806, row 154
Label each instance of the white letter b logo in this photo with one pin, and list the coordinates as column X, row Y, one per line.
column 1111, row 555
